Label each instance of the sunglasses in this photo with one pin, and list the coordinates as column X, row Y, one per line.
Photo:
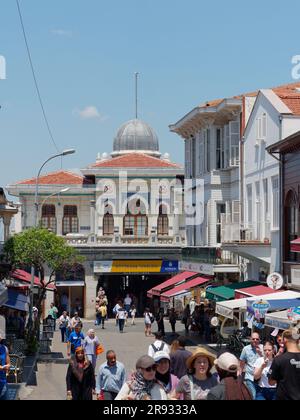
column 150, row 369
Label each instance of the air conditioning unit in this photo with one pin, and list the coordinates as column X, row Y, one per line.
column 295, row 274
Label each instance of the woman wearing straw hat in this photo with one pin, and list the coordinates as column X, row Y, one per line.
column 199, row 382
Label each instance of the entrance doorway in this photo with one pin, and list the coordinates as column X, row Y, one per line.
column 117, row 286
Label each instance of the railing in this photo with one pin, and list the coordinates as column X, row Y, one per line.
column 119, row 240
column 235, row 232
column 207, row 255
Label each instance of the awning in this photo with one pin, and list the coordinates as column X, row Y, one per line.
column 220, row 294
column 227, row 309
column 26, row 277
column 181, row 277
column 278, row 320
column 185, row 287
column 72, row 283
column 17, row 301
column 253, row 291
column 295, row 245
column 3, row 294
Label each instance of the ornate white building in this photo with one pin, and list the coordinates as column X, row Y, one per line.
column 123, row 213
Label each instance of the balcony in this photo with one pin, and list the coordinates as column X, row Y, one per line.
column 205, row 255
column 256, row 234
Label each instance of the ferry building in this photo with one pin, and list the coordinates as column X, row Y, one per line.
column 124, row 214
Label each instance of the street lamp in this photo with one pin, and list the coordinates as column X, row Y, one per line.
column 52, row 195
column 64, row 153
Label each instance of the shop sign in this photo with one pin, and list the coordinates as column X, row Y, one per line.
column 260, row 308
column 206, row 269
column 136, row 266
column 275, row 281
column 293, row 314
column 225, row 312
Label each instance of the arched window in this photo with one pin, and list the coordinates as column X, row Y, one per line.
column 136, row 220
column 49, row 217
column 70, row 220
column 291, row 224
column 163, row 221
column 108, row 222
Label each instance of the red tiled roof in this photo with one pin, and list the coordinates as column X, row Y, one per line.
column 135, row 160
column 58, row 178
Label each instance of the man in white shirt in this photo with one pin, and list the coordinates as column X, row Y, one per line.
column 158, row 345
column 127, row 303
column 121, row 317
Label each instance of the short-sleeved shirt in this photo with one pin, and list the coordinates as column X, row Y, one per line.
column 53, row 312
column 285, row 370
column 200, row 388
column 148, row 316
column 76, row 339
column 3, row 356
column 121, row 313
column 250, row 356
column 178, row 362
column 264, row 381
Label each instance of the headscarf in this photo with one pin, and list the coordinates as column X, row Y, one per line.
column 165, row 380
column 140, row 387
column 78, row 370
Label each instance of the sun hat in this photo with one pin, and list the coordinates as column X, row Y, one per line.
column 145, row 362
column 201, row 351
column 159, row 355
column 227, row 362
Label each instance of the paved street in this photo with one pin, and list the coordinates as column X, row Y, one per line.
column 129, row 346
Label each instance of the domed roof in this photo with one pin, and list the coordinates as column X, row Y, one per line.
column 136, row 136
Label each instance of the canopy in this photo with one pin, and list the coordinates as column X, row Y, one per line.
column 220, row 294
column 185, row 287
column 278, row 320
column 181, row 277
column 70, row 283
column 26, row 277
column 17, row 301
column 254, row 291
column 295, row 245
column 227, row 309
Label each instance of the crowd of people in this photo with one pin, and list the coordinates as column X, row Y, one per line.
column 262, row 372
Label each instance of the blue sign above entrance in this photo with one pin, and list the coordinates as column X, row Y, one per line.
column 170, row 267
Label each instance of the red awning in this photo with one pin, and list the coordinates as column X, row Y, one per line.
column 295, row 245
column 185, row 287
column 157, row 290
column 26, row 277
column 254, row 291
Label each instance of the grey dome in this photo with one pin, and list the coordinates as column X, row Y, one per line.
column 136, row 136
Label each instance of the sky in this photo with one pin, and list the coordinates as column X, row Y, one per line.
column 85, row 54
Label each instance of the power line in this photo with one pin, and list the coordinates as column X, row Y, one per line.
column 34, row 77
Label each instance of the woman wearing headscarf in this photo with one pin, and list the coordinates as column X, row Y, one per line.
column 90, row 344
column 199, row 382
column 163, row 375
column 231, row 387
column 143, row 384
column 80, row 377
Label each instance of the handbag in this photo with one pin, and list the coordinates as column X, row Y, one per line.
column 99, row 349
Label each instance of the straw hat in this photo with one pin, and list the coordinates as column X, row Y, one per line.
column 201, row 351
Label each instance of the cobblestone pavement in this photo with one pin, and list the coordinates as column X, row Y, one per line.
column 129, row 346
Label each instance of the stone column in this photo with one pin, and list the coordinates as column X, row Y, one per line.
column 6, row 223
column 92, row 217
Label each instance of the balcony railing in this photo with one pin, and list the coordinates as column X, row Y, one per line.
column 207, row 255
column 119, row 240
column 235, row 232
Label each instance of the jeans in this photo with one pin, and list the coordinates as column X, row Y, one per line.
column 121, row 324
column 252, row 387
column 102, row 320
column 265, row 394
column 127, row 309
column 3, row 393
column 63, row 332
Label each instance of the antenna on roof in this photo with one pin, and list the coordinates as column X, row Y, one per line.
column 136, row 74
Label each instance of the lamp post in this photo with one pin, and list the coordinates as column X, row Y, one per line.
column 36, row 204
column 52, row 195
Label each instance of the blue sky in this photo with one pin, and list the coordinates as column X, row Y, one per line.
column 86, row 52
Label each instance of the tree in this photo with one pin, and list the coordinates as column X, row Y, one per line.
column 41, row 249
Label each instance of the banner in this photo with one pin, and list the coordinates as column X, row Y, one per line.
column 136, row 266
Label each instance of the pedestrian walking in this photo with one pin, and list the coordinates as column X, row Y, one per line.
column 115, row 311
column 80, row 377
column 127, row 303
column 63, row 325
column 149, row 319
column 172, row 319
column 285, row 369
column 160, row 321
column 75, row 340
column 103, row 314
column 121, row 316
column 4, row 369
column 179, row 358
column 143, row 384
column 264, row 391
column 133, row 314
column 231, row 386
column 98, row 315
column 158, row 345
column 111, row 377
column 168, row 381
column 76, row 321
column 90, row 344
column 248, row 358
column 200, row 381
column 186, row 318
column 53, row 313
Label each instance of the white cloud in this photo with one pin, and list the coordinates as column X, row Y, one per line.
column 89, row 113
column 62, row 32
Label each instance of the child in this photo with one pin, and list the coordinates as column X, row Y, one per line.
column 133, row 314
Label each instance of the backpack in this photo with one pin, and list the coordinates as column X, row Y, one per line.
column 156, row 349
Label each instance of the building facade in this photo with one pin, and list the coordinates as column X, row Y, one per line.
column 124, row 214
